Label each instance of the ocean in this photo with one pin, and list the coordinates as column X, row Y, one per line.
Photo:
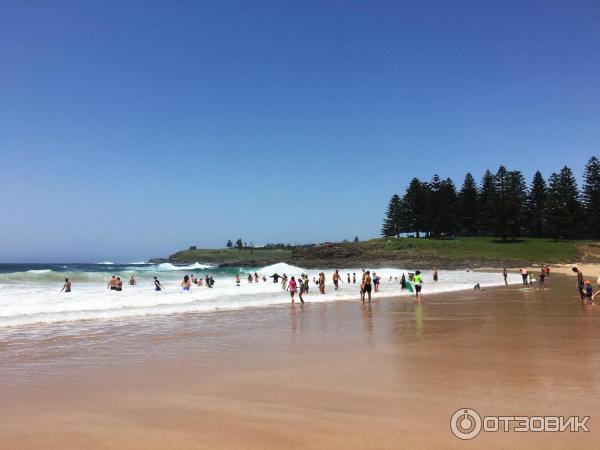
column 29, row 293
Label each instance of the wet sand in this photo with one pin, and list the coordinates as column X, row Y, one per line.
column 335, row 375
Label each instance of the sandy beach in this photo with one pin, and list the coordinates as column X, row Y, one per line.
column 328, row 375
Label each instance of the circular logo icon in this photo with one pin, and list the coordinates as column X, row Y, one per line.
column 465, row 423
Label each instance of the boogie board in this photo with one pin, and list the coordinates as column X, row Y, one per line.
column 408, row 287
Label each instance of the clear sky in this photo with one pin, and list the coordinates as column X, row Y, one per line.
column 131, row 129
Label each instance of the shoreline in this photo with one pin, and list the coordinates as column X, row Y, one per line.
column 320, row 375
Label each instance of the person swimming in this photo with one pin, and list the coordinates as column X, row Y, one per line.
column 112, row 283
column 186, row 284
column 67, row 286
column 157, row 286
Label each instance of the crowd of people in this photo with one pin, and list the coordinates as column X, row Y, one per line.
column 369, row 282
column 529, row 278
column 293, row 285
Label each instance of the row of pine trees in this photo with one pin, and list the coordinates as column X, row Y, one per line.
column 501, row 205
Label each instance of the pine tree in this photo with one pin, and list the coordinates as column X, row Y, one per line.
column 415, row 207
column 590, row 196
column 239, row 244
column 536, row 202
column 393, row 218
column 562, row 206
column 441, row 206
column 229, row 244
column 467, row 208
column 487, row 204
column 433, row 207
column 449, row 200
column 514, row 204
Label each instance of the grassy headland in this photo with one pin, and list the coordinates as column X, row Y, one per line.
column 461, row 252
column 230, row 256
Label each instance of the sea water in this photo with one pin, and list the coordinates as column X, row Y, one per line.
column 29, row 294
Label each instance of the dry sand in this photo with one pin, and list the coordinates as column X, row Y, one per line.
column 337, row 375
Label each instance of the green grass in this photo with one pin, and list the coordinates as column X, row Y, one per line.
column 221, row 256
column 524, row 249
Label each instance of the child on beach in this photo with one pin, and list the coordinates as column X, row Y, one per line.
column 589, row 291
column 292, row 287
column 580, row 284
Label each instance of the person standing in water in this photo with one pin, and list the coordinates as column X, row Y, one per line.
column 542, row 279
column 348, row 278
column 186, row 284
column 376, row 280
column 365, row 287
column 249, row 278
column 336, row 279
column 403, row 282
column 322, row 282
column 505, row 276
column 237, row 280
column 524, row 276
column 132, row 281
column 275, row 277
column 67, row 286
column 418, row 280
column 580, row 284
column 119, row 284
column 292, row 286
column 284, row 282
column 112, row 284
column 302, row 287
column 353, row 277
column 435, row 275
column 157, row 286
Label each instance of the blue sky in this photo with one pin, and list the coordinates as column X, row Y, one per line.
column 130, row 129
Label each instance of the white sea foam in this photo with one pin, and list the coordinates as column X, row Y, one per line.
column 196, row 265
column 281, row 268
column 24, row 301
column 39, row 271
column 107, row 263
